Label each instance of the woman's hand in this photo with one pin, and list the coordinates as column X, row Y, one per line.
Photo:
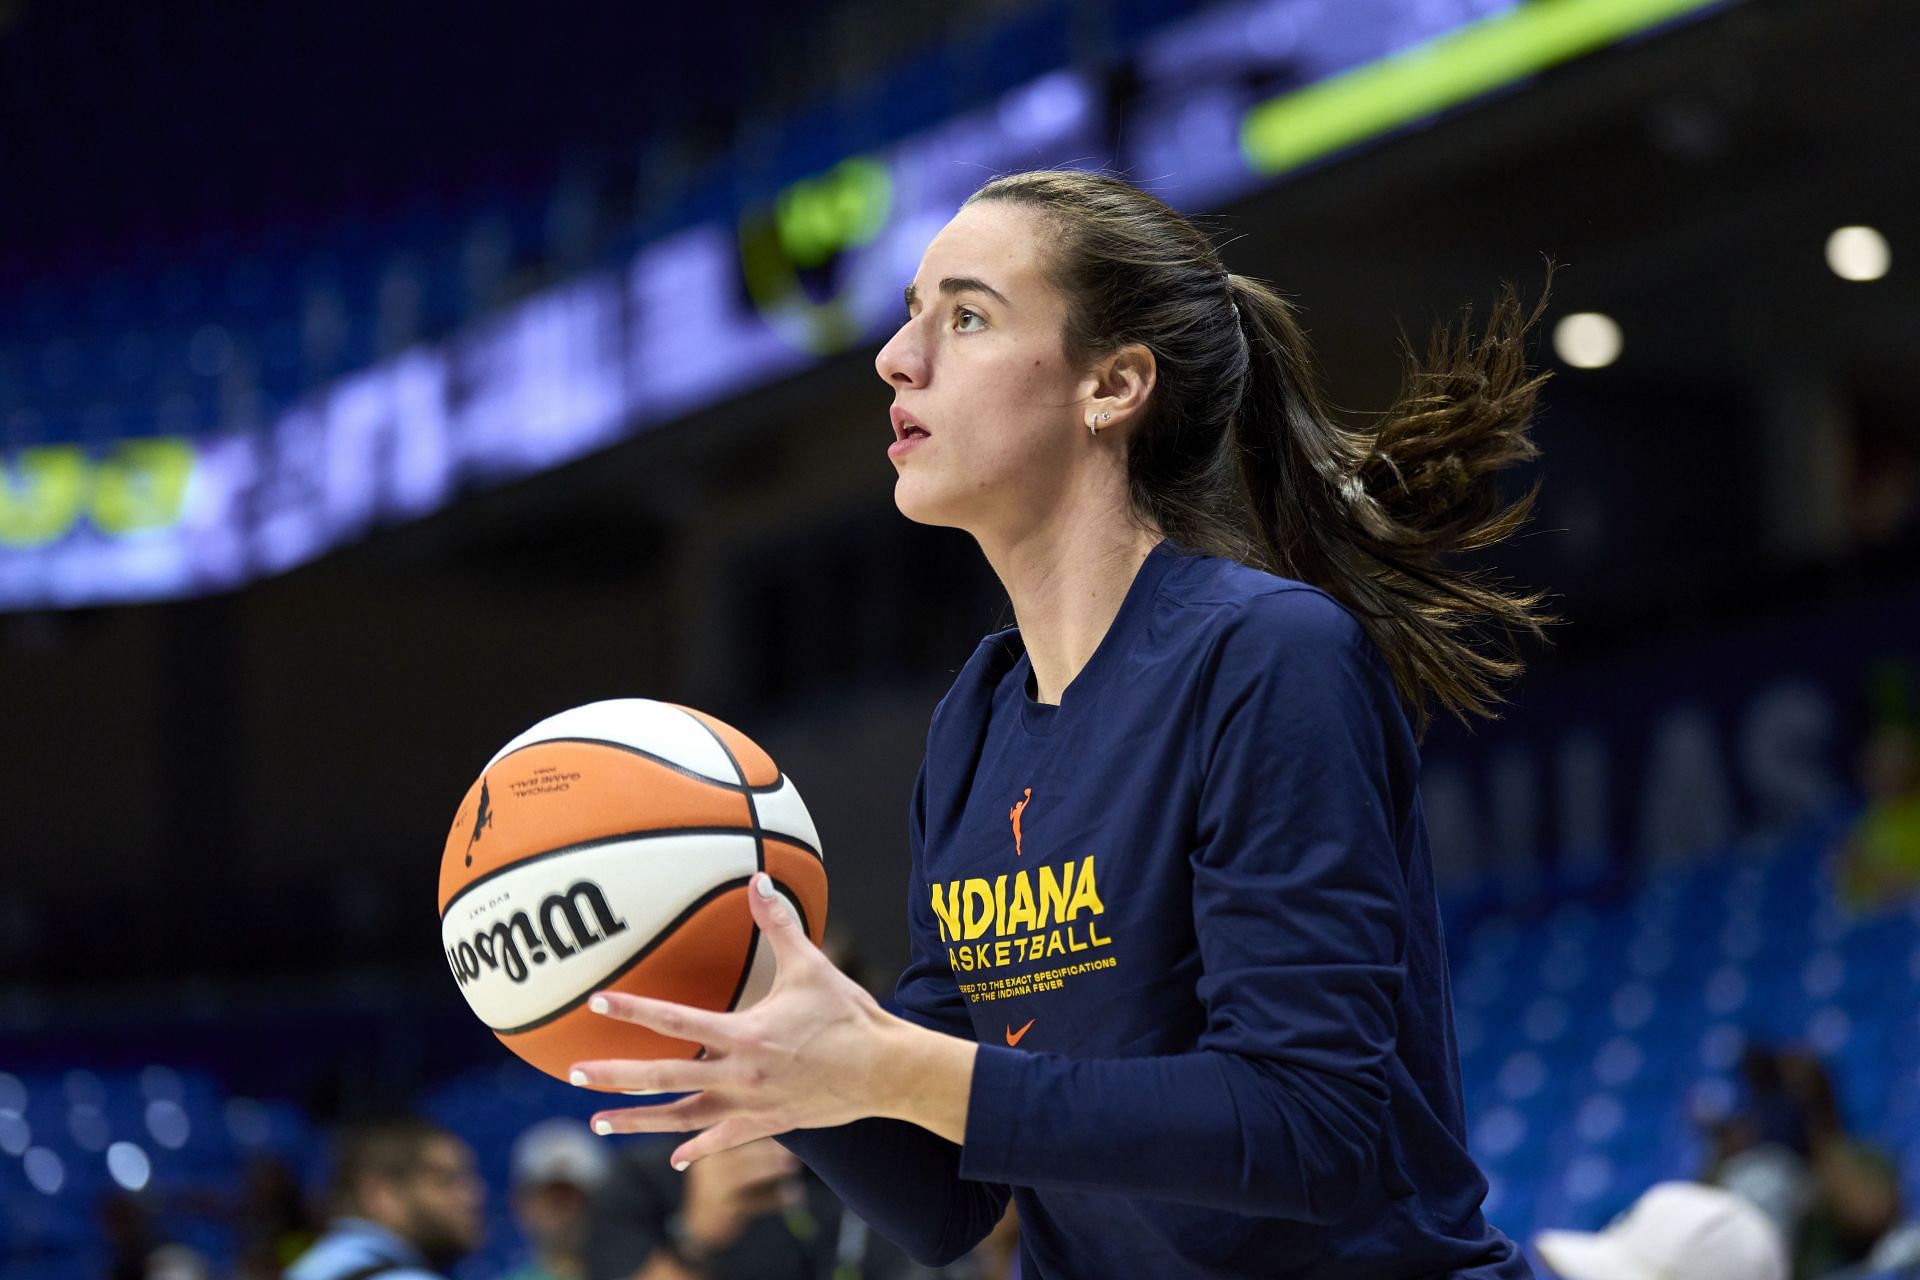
column 816, row 1052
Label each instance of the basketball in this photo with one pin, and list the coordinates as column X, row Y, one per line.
column 610, row 847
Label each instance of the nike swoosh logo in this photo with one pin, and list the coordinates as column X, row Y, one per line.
column 1013, row 1037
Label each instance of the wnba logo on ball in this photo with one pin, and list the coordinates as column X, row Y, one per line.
column 562, row 928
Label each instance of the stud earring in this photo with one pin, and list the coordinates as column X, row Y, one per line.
column 1092, row 425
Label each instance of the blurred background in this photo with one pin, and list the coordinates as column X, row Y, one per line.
column 377, row 379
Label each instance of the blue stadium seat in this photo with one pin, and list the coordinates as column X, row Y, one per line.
column 1763, row 951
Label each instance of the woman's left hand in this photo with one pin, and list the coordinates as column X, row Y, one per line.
column 813, row 1053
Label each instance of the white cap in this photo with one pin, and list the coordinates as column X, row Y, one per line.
column 559, row 1150
column 1674, row 1229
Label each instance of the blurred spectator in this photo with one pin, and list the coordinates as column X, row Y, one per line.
column 731, row 1214
column 1856, row 1186
column 1784, row 1148
column 1896, row 1257
column 273, row 1224
column 1884, row 505
column 177, row 1262
column 1759, row 1150
column 407, row 1205
column 128, row 1232
column 1773, row 1112
column 557, row 1165
column 752, row 1213
column 1880, row 859
column 1676, row 1229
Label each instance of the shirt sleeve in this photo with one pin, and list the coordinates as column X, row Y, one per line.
column 905, row 1181
column 1299, row 904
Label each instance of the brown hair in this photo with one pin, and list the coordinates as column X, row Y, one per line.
column 1239, row 455
column 386, row 1148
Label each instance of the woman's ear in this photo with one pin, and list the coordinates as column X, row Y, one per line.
column 1119, row 385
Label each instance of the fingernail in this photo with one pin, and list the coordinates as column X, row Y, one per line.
column 680, row 1166
column 603, row 1127
column 763, row 885
column 598, row 1004
column 578, row 1077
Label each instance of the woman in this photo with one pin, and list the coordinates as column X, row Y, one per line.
column 1177, row 980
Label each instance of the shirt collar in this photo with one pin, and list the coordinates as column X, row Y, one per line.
column 391, row 1247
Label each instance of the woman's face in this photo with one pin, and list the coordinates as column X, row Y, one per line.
column 979, row 364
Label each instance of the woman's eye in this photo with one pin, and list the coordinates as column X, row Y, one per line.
column 959, row 312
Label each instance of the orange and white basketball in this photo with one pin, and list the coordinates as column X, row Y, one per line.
column 609, row 848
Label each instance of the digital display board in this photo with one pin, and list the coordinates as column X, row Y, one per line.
column 1226, row 101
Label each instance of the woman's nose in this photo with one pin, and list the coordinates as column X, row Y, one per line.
column 900, row 363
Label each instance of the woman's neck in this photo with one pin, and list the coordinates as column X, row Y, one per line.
column 1067, row 580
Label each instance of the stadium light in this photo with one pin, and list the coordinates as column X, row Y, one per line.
column 1587, row 340
column 1858, row 253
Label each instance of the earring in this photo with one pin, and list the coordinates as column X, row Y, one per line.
column 1095, row 429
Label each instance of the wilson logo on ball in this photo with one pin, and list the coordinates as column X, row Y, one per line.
column 560, row 925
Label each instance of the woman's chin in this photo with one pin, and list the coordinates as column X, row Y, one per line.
column 911, row 496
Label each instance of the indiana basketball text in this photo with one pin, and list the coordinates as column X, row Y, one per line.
column 1027, row 923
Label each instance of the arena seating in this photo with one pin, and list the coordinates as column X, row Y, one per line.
column 1594, row 1042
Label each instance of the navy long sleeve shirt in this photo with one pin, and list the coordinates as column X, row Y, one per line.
column 1188, row 913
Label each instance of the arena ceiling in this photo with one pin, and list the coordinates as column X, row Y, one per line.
column 1686, row 184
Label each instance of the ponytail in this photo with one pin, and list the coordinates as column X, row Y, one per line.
column 1372, row 517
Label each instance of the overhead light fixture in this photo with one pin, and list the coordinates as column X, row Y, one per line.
column 1587, row 340
column 1858, row 253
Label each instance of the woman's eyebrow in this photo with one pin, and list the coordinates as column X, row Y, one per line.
column 961, row 284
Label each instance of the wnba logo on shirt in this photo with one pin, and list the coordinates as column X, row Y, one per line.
column 1014, row 814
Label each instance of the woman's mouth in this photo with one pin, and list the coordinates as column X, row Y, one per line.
column 907, row 432
column 908, row 440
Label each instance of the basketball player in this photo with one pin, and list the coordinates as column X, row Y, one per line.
column 1190, row 1006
